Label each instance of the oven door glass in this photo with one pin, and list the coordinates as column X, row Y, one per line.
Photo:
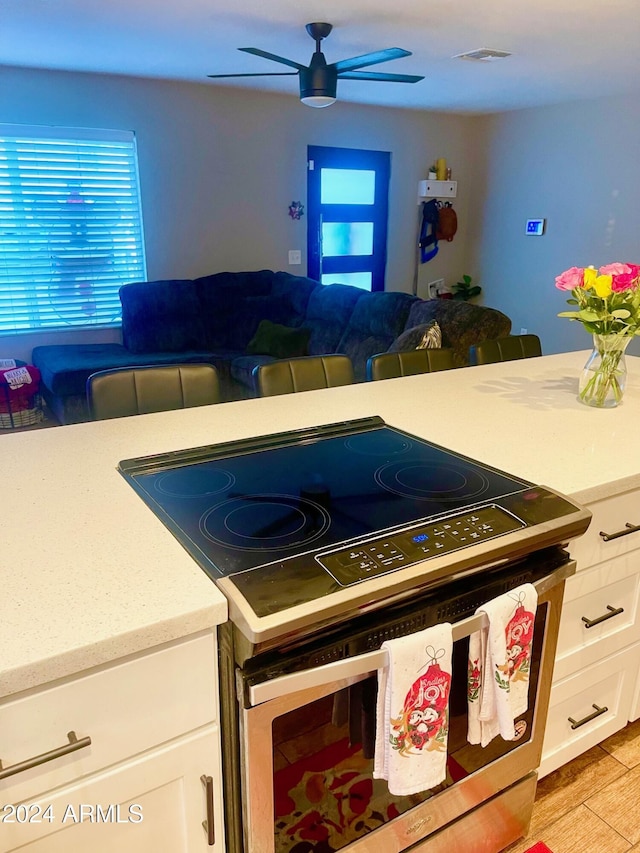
column 312, row 750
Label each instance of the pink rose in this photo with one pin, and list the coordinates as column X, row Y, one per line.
column 625, row 281
column 615, row 269
column 570, row 279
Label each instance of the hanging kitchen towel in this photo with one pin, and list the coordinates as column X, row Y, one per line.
column 412, row 720
column 499, row 665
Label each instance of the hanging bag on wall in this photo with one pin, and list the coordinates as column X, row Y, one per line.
column 447, row 222
column 428, row 241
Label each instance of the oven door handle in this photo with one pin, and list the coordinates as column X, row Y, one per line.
column 366, row 664
column 356, row 667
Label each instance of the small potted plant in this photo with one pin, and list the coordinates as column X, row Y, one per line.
column 465, row 289
column 433, row 173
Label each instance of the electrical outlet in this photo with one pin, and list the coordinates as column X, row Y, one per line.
column 434, row 287
column 295, row 256
column 523, row 331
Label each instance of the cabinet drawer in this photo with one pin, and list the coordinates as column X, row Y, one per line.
column 609, row 592
column 608, row 684
column 124, row 709
column 609, row 516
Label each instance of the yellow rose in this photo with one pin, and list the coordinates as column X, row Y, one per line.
column 590, row 275
column 602, row 286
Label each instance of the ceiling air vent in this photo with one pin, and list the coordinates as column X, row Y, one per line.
column 483, row 54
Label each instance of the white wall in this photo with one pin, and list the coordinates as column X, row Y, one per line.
column 219, row 168
column 576, row 165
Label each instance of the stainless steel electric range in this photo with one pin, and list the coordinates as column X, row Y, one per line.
column 326, row 542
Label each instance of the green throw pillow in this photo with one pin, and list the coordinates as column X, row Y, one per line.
column 279, row 341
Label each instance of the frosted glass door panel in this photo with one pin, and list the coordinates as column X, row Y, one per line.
column 347, row 186
column 356, row 279
column 347, row 238
column 348, row 198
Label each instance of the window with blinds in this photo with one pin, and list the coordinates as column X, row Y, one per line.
column 70, row 226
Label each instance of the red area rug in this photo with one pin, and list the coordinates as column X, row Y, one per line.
column 540, row 847
column 328, row 800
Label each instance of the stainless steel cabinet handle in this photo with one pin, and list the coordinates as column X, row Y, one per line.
column 208, row 824
column 613, row 611
column 597, row 713
column 630, row 528
column 73, row 746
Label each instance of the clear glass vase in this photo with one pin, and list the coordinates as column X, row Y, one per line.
column 604, row 375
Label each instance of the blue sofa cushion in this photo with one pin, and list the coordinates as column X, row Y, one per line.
column 253, row 283
column 64, row 369
column 161, row 316
column 328, row 312
column 232, row 305
column 376, row 321
column 296, row 290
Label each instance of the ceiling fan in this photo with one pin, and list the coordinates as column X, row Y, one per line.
column 318, row 81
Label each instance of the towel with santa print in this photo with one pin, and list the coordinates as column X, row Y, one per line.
column 499, row 665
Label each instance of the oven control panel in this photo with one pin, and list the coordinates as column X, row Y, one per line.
column 403, row 548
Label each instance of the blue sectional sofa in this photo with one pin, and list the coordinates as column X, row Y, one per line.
column 225, row 318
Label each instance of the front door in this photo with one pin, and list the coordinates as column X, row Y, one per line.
column 348, row 201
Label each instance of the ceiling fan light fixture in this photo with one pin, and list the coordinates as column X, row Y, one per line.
column 318, row 100
column 318, row 85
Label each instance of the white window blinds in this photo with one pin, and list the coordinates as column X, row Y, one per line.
column 70, row 226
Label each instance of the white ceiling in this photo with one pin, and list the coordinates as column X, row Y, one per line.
column 562, row 49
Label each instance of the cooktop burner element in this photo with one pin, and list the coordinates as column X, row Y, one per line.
column 440, row 483
column 290, row 519
column 265, row 522
column 377, row 443
column 194, row 482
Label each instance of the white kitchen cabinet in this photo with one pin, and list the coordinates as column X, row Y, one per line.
column 141, row 783
column 158, row 803
column 598, row 655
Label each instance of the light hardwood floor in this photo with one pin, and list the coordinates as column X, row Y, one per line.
column 592, row 804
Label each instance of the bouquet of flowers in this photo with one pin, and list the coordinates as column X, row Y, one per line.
column 608, row 299
column 607, row 303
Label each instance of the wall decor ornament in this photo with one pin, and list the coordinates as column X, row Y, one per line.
column 296, row 210
column 608, row 306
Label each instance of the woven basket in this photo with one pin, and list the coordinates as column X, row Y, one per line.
column 23, row 417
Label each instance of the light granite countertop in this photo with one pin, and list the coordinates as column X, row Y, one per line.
column 89, row 574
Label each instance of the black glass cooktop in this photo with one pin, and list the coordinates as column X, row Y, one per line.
column 253, row 503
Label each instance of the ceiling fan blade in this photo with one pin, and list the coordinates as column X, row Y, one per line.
column 375, row 75
column 370, row 59
column 263, row 53
column 268, row 74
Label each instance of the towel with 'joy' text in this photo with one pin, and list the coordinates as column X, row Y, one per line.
column 412, row 721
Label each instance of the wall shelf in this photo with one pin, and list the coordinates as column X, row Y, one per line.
column 437, row 189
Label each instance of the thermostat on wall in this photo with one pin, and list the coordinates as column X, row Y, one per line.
column 535, row 227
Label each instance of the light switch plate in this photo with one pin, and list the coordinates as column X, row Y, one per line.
column 535, row 227
column 295, row 256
